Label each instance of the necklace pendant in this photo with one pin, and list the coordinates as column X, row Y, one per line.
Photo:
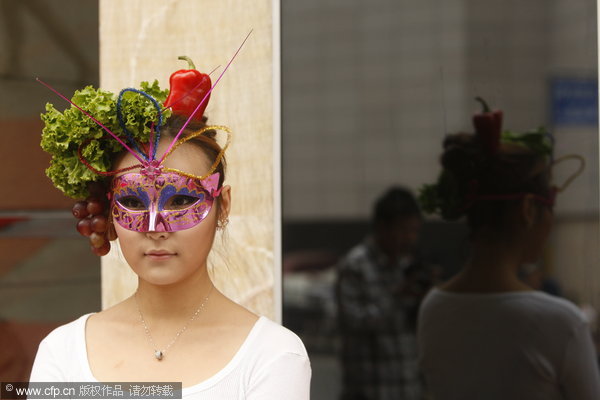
column 158, row 354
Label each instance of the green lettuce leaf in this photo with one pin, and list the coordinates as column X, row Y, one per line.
column 64, row 133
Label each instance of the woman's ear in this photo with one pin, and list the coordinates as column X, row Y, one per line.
column 224, row 202
column 529, row 211
column 111, row 232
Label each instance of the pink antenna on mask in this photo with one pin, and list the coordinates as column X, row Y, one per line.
column 203, row 99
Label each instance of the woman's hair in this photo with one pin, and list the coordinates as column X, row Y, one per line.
column 206, row 141
column 470, row 172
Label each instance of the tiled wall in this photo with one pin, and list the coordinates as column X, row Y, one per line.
column 507, row 58
column 574, row 245
column 370, row 88
column 575, row 54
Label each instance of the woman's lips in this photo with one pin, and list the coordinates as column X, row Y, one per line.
column 159, row 255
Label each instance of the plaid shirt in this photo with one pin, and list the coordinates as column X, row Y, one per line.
column 377, row 307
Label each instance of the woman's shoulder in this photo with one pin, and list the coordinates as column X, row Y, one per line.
column 59, row 355
column 272, row 340
column 557, row 308
column 66, row 335
column 264, row 338
column 277, row 359
column 543, row 306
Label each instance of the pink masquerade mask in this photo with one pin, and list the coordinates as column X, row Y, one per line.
column 169, row 202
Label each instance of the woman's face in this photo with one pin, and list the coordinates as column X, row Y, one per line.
column 164, row 258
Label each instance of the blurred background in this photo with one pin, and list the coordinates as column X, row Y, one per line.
column 369, row 90
column 48, row 276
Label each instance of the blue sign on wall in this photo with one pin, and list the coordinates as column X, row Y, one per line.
column 574, row 101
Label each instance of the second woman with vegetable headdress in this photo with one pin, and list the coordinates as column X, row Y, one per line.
column 484, row 333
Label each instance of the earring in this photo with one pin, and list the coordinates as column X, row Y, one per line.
column 222, row 223
column 111, row 233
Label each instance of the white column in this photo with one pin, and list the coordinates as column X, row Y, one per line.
column 141, row 40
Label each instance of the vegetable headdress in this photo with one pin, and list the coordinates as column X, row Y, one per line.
column 84, row 139
column 475, row 159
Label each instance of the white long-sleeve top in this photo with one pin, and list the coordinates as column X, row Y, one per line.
column 272, row 363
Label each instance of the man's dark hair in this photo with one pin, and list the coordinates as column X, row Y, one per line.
column 396, row 204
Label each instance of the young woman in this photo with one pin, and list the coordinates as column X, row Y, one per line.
column 176, row 327
column 484, row 334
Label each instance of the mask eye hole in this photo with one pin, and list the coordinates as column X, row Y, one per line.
column 180, row 202
column 132, row 203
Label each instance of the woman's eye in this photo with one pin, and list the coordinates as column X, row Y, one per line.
column 178, row 202
column 131, row 202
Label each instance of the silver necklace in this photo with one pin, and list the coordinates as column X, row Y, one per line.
column 160, row 354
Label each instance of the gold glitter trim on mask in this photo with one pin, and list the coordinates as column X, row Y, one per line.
column 575, row 174
column 196, row 134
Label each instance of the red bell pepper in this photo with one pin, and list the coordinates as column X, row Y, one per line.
column 187, row 89
column 488, row 127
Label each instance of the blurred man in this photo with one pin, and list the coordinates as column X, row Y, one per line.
column 379, row 287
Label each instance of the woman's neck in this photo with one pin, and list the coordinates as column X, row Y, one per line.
column 178, row 300
column 492, row 267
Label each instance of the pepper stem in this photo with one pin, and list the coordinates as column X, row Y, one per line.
column 189, row 60
column 486, row 108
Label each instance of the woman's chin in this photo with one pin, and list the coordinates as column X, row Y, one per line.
column 161, row 278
